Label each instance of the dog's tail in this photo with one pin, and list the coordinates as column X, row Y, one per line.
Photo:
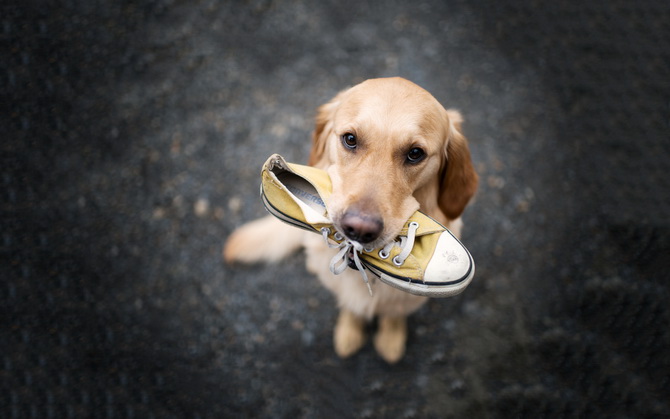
column 264, row 240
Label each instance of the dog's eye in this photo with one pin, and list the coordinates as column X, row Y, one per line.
column 415, row 155
column 349, row 141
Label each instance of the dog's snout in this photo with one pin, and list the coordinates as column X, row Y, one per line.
column 361, row 228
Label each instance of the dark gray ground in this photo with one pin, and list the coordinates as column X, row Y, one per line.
column 132, row 136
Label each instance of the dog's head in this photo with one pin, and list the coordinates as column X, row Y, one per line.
column 390, row 149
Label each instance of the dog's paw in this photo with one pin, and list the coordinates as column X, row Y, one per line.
column 390, row 338
column 349, row 334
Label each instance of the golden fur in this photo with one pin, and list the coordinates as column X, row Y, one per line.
column 389, row 117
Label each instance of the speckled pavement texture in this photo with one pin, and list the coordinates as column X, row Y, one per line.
column 132, row 137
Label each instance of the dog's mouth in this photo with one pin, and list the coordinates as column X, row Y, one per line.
column 351, row 257
column 350, row 260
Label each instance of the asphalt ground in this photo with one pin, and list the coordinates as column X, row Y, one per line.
column 132, row 137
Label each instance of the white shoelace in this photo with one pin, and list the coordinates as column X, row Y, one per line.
column 340, row 261
column 406, row 244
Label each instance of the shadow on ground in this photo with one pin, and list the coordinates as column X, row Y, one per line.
column 133, row 133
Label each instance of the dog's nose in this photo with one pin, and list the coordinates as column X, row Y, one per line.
column 361, row 228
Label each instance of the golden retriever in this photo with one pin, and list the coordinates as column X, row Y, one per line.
column 390, row 149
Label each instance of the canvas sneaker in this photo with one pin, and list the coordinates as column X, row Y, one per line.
column 425, row 259
column 295, row 193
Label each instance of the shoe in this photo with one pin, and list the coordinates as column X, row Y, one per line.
column 293, row 193
column 426, row 259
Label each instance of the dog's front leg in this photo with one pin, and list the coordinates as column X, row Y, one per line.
column 391, row 338
column 349, row 334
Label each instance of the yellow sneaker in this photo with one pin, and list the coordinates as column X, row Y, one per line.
column 290, row 196
column 425, row 259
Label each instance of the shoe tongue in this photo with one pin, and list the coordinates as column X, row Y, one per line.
column 426, row 225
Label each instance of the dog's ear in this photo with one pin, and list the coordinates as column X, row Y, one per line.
column 323, row 128
column 459, row 179
column 320, row 133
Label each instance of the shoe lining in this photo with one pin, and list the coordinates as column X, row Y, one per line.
column 304, row 191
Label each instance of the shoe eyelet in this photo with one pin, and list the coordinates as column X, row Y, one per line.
column 337, row 236
column 326, row 229
column 396, row 262
column 383, row 254
column 368, row 249
column 414, row 224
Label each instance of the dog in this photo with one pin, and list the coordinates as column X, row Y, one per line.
column 390, row 149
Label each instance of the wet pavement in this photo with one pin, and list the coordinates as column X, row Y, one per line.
column 132, row 136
